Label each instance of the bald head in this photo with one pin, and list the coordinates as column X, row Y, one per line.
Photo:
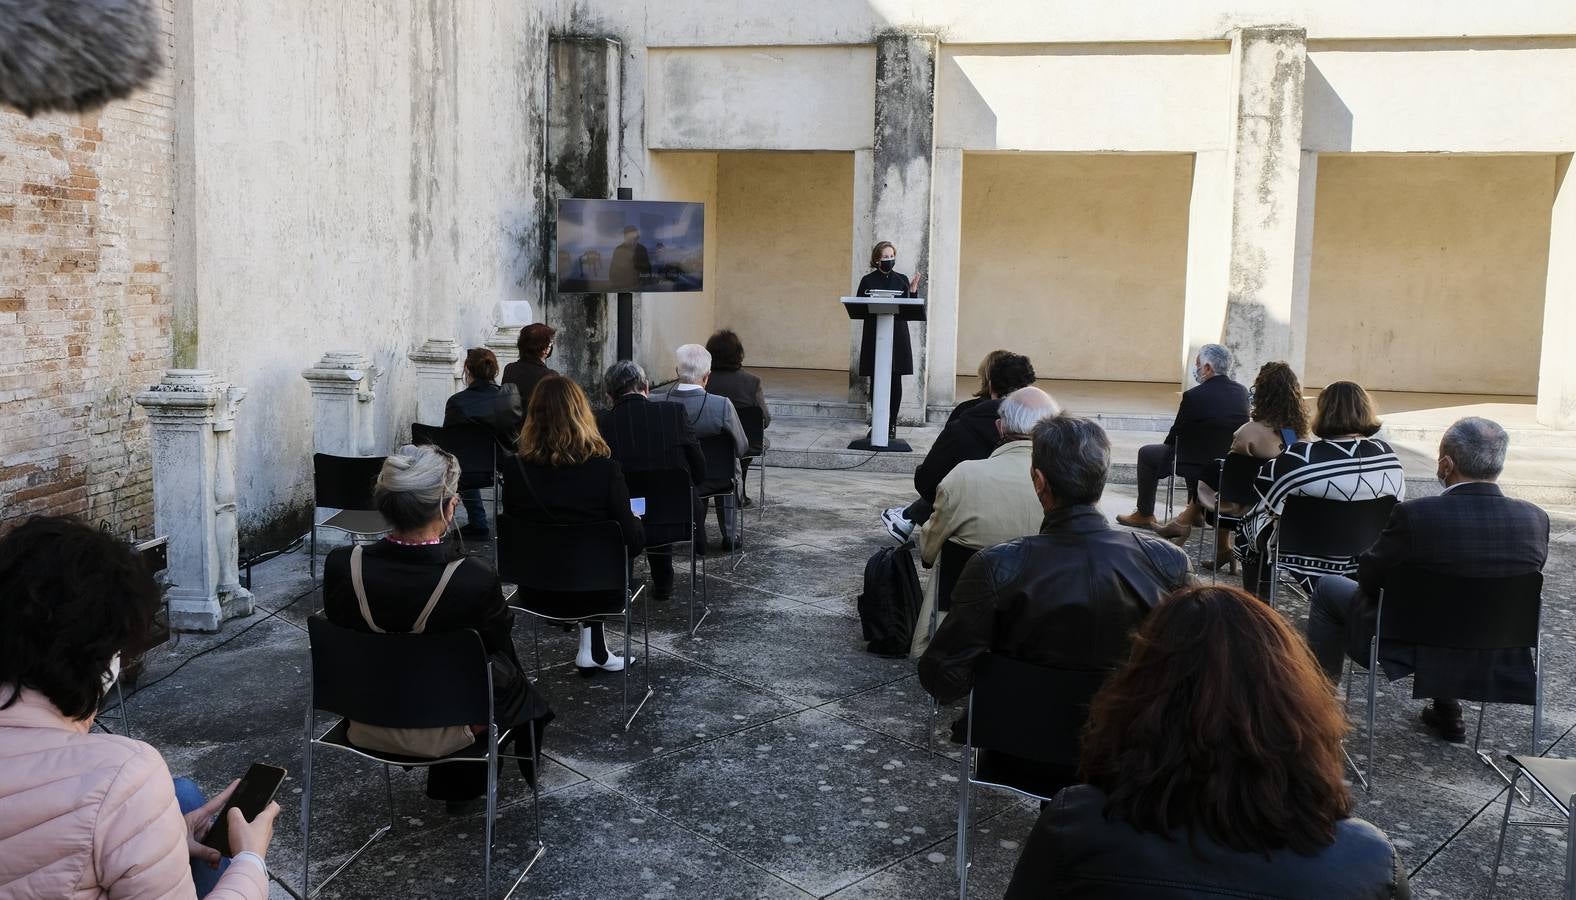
column 1023, row 409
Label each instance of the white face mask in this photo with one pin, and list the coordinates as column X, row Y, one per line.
column 112, row 673
column 1198, row 375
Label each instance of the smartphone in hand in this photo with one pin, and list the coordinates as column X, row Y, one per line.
column 256, row 791
column 637, row 505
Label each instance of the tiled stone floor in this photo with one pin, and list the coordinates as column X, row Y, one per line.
column 777, row 758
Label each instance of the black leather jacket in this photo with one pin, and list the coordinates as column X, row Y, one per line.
column 1068, row 597
column 1075, row 853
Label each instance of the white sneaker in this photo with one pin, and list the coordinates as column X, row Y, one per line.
column 901, row 529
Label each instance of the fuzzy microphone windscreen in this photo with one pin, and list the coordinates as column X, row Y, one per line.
column 75, row 55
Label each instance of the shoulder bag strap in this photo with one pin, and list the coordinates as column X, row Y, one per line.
column 361, row 589
column 437, row 593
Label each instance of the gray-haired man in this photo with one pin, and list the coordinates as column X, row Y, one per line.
column 1216, row 401
column 709, row 416
column 1471, row 529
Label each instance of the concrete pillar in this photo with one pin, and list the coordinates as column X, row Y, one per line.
column 342, row 397
column 1265, row 158
column 905, row 140
column 437, row 378
column 946, row 260
column 1557, row 368
column 192, row 417
column 583, row 140
column 859, row 256
column 505, row 344
column 1208, row 257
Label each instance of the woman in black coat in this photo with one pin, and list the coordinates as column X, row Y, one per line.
column 565, row 474
column 885, row 277
column 414, row 581
column 483, row 402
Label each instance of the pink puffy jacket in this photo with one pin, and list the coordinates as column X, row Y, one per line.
column 92, row 815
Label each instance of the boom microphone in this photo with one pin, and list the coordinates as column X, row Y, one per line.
column 75, row 55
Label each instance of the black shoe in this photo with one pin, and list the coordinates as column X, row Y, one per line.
column 1445, row 722
column 892, row 434
column 662, row 594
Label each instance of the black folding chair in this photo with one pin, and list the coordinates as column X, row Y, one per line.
column 345, row 483
column 753, row 418
column 1237, row 474
column 954, row 556
column 1315, row 526
column 476, row 449
column 1555, row 779
column 670, row 520
column 428, row 680
column 722, row 466
column 571, row 573
column 1429, row 609
column 1031, row 712
column 1197, row 447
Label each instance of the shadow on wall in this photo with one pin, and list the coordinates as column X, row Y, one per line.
column 1327, row 122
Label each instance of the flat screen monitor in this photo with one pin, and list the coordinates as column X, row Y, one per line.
column 635, row 246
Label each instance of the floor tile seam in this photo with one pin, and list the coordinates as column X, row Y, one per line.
column 676, row 654
column 950, row 840
column 1494, row 801
column 710, row 739
column 721, row 847
column 736, row 583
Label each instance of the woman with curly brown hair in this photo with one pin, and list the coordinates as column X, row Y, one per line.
column 1279, row 418
column 1212, row 766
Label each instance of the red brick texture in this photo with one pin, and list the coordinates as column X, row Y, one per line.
column 86, row 233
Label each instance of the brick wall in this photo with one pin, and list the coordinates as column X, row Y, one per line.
column 86, row 232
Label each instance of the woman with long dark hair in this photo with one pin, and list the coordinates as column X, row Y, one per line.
column 1212, row 766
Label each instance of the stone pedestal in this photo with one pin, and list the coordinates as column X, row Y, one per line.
column 192, row 417
column 342, row 397
column 438, row 366
column 505, row 344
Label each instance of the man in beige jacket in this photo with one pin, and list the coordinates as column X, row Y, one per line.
column 983, row 502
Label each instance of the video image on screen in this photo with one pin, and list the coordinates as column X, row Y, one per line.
column 635, row 246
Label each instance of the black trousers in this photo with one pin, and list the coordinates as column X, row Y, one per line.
column 1154, row 463
column 897, row 398
column 919, row 511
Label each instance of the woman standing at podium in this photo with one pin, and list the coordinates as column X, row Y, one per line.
column 885, row 277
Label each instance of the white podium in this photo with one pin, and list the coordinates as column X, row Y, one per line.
column 886, row 308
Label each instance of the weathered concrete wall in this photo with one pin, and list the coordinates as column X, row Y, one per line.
column 1557, row 368
column 1156, row 97
column 900, row 168
column 1428, row 272
column 665, row 321
column 1470, row 95
column 1059, row 247
column 85, row 299
column 784, row 222
column 354, row 177
column 583, row 138
column 760, row 98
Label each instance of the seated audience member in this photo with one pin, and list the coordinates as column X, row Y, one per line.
column 566, row 475
column 647, row 436
column 1212, row 767
column 535, row 345
column 729, row 379
column 984, row 502
column 413, row 582
column 83, row 814
column 483, row 402
column 709, row 416
column 982, row 393
column 970, row 433
column 1216, row 401
column 1279, row 418
column 1472, row 529
column 1347, row 463
column 1067, row 597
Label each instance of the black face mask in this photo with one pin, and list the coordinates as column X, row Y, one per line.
column 887, row 264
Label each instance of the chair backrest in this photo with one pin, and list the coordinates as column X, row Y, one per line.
column 344, row 482
column 1033, row 712
column 718, row 450
column 1315, row 526
column 753, row 418
column 1237, row 474
column 1200, row 445
column 399, row 680
column 474, row 446
column 564, row 571
column 670, row 497
column 1438, row 610
column 953, row 557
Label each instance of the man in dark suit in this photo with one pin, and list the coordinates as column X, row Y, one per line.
column 1472, row 529
column 1217, row 401
column 647, row 436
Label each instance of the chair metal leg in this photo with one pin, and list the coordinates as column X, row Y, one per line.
column 306, row 808
column 492, row 805
column 965, row 796
column 1373, row 703
column 1570, row 849
column 1487, row 759
column 1499, row 849
column 536, row 810
column 536, row 644
column 311, row 558
column 125, row 716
